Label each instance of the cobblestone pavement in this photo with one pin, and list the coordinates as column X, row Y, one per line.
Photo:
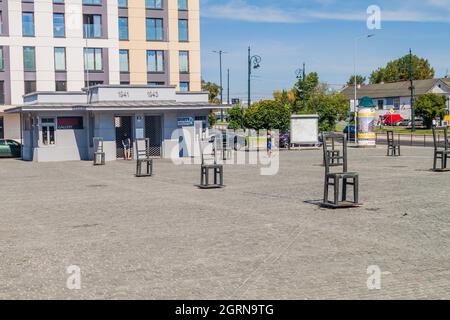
column 258, row 238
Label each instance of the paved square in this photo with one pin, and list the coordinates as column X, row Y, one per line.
column 259, row 238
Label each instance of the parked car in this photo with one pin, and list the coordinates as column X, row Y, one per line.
column 10, row 148
column 350, row 131
column 230, row 139
column 392, row 119
column 284, row 139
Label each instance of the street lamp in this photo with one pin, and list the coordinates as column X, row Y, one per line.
column 355, row 84
column 220, row 52
column 253, row 63
column 301, row 73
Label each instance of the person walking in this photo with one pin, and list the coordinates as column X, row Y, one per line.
column 126, row 142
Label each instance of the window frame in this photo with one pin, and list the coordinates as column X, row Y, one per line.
column 34, row 59
column 187, row 30
column 63, row 25
column 157, row 52
column 128, row 60
column 24, row 13
column 155, row 21
column 65, row 59
column 127, row 28
column 94, row 59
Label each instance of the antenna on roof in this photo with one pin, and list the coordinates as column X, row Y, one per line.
column 446, row 73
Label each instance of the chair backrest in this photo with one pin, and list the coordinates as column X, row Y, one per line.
column 143, row 148
column 335, row 140
column 208, row 152
column 436, row 138
column 98, row 145
column 390, row 137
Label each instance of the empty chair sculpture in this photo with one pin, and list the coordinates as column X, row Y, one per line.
column 336, row 179
column 143, row 158
column 330, row 147
column 210, row 165
column 441, row 149
column 393, row 147
column 99, row 154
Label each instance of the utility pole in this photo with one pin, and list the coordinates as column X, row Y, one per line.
column 220, row 52
column 411, row 88
column 228, row 86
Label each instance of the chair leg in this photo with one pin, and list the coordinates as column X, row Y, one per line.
column 344, row 189
column 325, row 192
column 202, row 174
column 138, row 171
column 399, row 151
column 435, row 161
column 221, row 176
column 356, row 190
column 336, row 191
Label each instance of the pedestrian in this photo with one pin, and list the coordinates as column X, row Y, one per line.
column 269, row 142
column 434, row 122
column 126, row 142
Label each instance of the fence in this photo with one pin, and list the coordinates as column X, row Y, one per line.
column 410, row 139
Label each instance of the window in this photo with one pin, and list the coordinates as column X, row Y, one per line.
column 58, row 25
column 2, row 63
column 58, row 1
column 1, row 23
column 156, row 83
column 48, row 131
column 380, row 104
column 30, row 86
column 2, row 101
column 155, row 61
column 93, row 2
column 123, row 28
column 184, row 86
column 92, row 25
column 397, row 103
column 124, row 83
column 88, row 84
column 93, row 59
column 29, row 59
column 61, row 86
column 60, row 59
column 183, row 30
column 182, row 5
column 124, row 61
column 123, row 3
column 154, row 29
column 184, row 61
column 153, row 4
column 28, row 24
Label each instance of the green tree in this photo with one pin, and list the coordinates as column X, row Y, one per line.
column 236, row 117
column 268, row 114
column 398, row 70
column 430, row 106
column 213, row 91
column 212, row 119
column 331, row 108
column 304, row 89
column 359, row 80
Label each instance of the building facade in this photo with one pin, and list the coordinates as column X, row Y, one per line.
column 66, row 45
column 396, row 96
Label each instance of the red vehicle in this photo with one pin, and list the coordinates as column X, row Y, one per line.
column 392, row 119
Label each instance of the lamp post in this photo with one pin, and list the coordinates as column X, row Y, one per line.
column 411, row 88
column 253, row 63
column 220, row 53
column 301, row 73
column 355, row 84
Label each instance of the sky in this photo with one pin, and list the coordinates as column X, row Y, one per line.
column 319, row 33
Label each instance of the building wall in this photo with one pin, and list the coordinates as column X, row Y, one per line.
column 138, row 44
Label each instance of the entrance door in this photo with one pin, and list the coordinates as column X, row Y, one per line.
column 124, row 128
column 153, row 131
column 2, row 131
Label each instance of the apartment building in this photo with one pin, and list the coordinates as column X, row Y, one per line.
column 66, row 45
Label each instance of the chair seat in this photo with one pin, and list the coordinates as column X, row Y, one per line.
column 212, row 166
column 442, row 151
column 342, row 175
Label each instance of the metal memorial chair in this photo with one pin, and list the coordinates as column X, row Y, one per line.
column 336, row 178
column 99, row 153
column 441, row 149
column 393, row 147
column 330, row 149
column 143, row 158
column 210, row 165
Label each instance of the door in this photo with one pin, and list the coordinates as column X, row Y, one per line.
column 14, row 148
column 124, row 129
column 153, row 131
column 2, row 130
column 4, row 149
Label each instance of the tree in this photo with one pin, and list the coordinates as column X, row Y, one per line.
column 285, row 97
column 212, row 119
column 236, row 117
column 304, row 89
column 268, row 114
column 359, row 80
column 430, row 106
column 213, row 91
column 398, row 70
column 331, row 108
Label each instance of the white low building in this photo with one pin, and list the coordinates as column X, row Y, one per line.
column 396, row 96
column 61, row 126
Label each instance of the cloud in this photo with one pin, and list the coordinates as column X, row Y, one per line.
column 241, row 10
